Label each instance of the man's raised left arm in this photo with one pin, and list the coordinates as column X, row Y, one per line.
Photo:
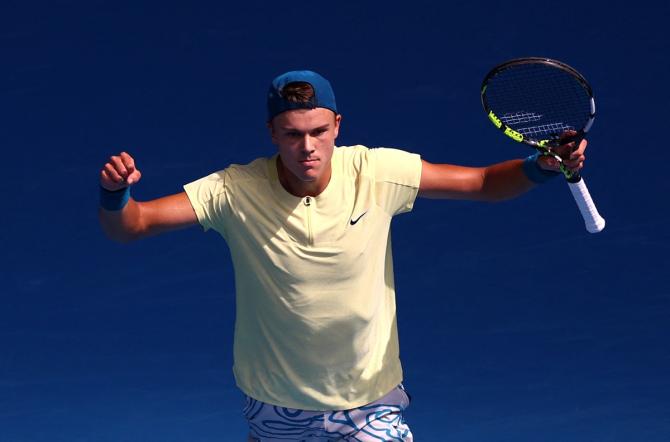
column 497, row 182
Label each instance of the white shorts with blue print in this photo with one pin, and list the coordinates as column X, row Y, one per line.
column 379, row 421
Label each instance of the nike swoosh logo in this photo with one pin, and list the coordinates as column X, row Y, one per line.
column 354, row 221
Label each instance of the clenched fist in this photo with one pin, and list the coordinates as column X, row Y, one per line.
column 570, row 151
column 119, row 172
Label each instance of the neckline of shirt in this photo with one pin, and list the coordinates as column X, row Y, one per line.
column 288, row 197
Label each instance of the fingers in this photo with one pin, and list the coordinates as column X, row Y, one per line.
column 548, row 162
column 134, row 177
column 123, row 164
column 132, row 174
column 573, row 155
column 570, row 151
column 119, row 172
column 112, row 174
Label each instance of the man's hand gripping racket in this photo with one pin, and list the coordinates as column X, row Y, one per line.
column 546, row 104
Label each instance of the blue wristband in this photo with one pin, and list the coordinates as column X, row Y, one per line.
column 535, row 173
column 114, row 199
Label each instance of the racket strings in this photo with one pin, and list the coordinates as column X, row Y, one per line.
column 520, row 117
column 539, row 101
column 552, row 129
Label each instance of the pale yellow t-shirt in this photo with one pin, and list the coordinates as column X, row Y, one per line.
column 316, row 320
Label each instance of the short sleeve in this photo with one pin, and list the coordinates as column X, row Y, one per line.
column 208, row 198
column 397, row 179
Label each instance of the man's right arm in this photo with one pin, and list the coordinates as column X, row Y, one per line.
column 140, row 219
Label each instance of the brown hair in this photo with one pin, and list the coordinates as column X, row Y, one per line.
column 298, row 92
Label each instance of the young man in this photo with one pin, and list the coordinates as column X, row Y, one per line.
column 316, row 345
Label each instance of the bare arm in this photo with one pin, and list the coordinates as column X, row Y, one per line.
column 492, row 183
column 140, row 219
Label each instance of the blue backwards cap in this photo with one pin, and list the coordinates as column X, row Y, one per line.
column 323, row 93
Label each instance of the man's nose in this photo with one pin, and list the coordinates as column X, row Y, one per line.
column 308, row 143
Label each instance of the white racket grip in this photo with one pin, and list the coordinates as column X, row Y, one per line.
column 594, row 222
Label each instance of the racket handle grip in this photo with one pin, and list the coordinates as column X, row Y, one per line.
column 594, row 222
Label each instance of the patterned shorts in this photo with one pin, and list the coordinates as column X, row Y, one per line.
column 379, row 421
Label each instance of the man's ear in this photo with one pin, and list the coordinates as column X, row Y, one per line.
column 338, row 120
column 272, row 132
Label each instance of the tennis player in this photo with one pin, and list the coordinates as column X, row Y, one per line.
column 316, row 345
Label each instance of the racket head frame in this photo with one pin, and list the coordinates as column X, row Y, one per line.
column 544, row 146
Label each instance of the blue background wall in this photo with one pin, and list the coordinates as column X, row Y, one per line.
column 516, row 324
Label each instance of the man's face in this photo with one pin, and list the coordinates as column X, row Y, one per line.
column 305, row 139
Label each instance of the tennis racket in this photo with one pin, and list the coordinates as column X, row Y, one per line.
column 544, row 103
